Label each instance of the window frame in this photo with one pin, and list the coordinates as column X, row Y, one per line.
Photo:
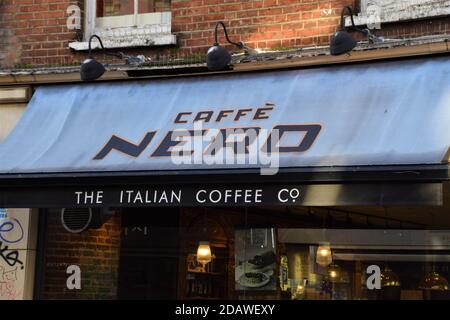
column 399, row 12
column 139, row 29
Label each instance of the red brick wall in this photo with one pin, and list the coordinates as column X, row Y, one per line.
column 272, row 24
column 258, row 23
column 96, row 252
column 37, row 33
column 34, row 32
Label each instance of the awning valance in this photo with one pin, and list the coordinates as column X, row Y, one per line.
column 96, row 144
column 378, row 114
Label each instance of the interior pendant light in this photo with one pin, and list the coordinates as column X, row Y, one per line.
column 324, row 256
column 204, row 255
column 334, row 272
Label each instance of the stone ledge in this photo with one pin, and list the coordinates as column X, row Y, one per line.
column 128, row 42
column 302, row 57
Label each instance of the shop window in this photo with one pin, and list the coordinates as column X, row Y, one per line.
column 132, row 23
column 365, row 264
column 260, row 253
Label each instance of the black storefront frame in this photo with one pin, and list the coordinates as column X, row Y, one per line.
column 40, row 261
column 15, row 189
column 419, row 172
column 354, row 175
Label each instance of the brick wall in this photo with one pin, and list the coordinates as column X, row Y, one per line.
column 258, row 23
column 275, row 24
column 34, row 32
column 95, row 251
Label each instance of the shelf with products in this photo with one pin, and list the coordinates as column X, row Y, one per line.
column 205, row 273
column 208, row 281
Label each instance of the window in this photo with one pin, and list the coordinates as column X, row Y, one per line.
column 109, row 8
column 128, row 23
column 375, row 12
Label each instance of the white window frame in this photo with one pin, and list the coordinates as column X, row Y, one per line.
column 397, row 11
column 134, row 30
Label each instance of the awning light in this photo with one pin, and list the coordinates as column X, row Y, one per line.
column 91, row 69
column 217, row 57
column 342, row 42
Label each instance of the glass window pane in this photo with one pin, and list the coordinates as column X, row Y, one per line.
column 225, row 253
column 147, row 6
column 110, row 8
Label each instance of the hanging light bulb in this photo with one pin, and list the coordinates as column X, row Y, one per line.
column 323, row 256
column 334, row 272
column 389, row 278
column 434, row 281
column 300, row 289
column 204, row 253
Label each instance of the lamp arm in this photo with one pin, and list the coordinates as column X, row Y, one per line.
column 239, row 45
column 118, row 54
column 90, row 42
column 354, row 27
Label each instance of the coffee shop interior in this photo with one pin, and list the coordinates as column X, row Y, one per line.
column 284, row 252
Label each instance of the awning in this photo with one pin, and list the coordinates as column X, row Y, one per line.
column 331, row 121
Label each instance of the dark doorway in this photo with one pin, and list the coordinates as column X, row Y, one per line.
column 149, row 254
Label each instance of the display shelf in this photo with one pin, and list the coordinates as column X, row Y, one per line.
column 219, row 274
column 212, row 283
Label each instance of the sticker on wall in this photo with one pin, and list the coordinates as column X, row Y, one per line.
column 11, row 230
column 13, row 253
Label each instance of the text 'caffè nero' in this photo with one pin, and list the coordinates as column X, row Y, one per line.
column 216, row 139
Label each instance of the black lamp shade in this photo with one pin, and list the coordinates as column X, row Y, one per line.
column 91, row 70
column 218, row 58
column 342, row 42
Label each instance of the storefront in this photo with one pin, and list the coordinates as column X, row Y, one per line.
column 294, row 183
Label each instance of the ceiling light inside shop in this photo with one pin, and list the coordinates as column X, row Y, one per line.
column 323, row 256
column 334, row 272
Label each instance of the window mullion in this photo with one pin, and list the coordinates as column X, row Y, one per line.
column 91, row 6
column 136, row 11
